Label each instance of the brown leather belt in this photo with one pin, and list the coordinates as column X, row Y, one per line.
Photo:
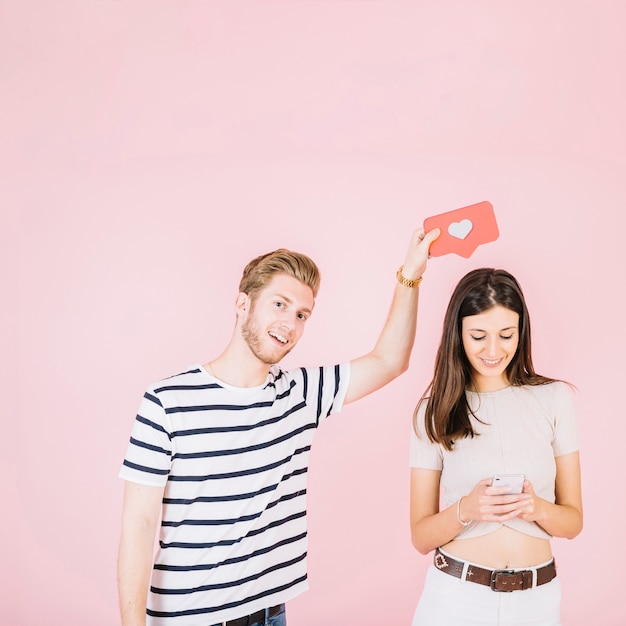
column 497, row 579
column 253, row 618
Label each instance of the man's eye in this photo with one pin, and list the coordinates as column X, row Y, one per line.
column 279, row 304
column 302, row 316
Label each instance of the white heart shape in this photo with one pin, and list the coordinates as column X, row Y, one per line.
column 461, row 229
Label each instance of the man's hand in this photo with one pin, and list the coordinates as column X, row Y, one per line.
column 417, row 255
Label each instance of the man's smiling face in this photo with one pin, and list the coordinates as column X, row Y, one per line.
column 275, row 318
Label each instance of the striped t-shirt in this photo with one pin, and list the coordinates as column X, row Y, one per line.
column 233, row 461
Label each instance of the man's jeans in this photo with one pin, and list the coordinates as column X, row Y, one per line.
column 278, row 620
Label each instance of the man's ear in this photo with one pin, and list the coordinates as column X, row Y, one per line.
column 242, row 303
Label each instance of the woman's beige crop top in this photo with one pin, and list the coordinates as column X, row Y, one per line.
column 521, row 430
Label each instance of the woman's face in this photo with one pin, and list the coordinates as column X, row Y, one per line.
column 490, row 341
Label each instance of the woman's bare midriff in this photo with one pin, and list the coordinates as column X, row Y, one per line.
column 505, row 548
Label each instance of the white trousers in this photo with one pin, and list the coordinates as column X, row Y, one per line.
column 450, row 601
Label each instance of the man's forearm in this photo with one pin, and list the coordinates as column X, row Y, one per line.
column 134, row 569
column 140, row 519
column 397, row 337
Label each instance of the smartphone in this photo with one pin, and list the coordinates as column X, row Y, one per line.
column 515, row 482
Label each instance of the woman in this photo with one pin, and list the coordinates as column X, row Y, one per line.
column 485, row 412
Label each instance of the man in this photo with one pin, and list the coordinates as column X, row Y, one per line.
column 219, row 454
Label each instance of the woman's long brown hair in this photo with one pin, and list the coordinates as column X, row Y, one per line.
column 447, row 415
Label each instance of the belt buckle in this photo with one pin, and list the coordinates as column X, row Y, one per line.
column 496, row 573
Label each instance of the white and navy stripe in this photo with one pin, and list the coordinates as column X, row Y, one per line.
column 234, row 464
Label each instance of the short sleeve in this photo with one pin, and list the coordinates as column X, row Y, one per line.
column 338, row 378
column 325, row 389
column 566, row 428
column 424, row 454
column 149, row 450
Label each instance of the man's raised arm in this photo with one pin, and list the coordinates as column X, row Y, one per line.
column 391, row 354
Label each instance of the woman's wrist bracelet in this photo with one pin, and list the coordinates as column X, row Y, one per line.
column 458, row 514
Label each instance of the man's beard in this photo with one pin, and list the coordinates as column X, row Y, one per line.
column 253, row 338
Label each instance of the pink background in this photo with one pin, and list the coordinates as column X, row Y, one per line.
column 149, row 149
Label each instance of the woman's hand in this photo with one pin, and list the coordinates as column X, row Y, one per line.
column 534, row 510
column 490, row 504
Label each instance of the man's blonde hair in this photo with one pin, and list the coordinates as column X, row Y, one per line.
column 260, row 271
